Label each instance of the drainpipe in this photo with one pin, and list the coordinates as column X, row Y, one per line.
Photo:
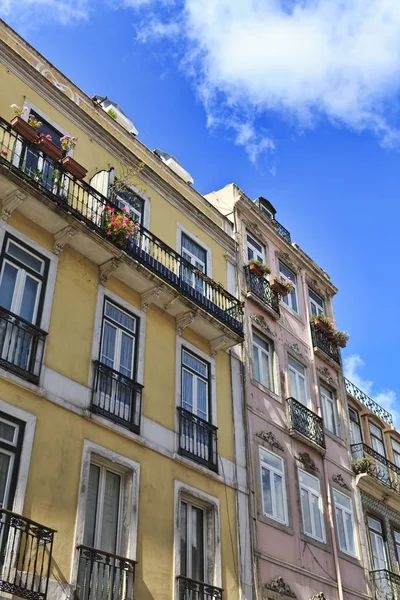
column 324, row 467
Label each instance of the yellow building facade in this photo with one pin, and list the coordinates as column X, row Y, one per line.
column 117, row 425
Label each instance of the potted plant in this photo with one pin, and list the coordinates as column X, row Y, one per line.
column 48, row 147
column 364, row 465
column 72, row 166
column 258, row 268
column 341, row 338
column 119, row 225
column 324, row 324
column 282, row 285
column 28, row 129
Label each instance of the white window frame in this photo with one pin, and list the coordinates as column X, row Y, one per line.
column 196, row 378
column 211, row 504
column 182, row 230
column 129, row 514
column 267, row 467
column 396, row 452
column 325, row 402
column 257, row 254
column 270, row 359
column 190, row 503
column 298, row 376
column 312, row 492
column 319, row 309
column 118, row 336
column 288, row 300
column 344, row 510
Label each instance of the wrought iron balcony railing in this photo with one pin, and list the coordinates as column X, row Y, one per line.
column 189, row 589
column 385, row 585
column 320, row 340
column 25, row 556
column 116, row 397
column 104, row 576
column 77, row 198
column 198, row 439
column 260, row 287
column 367, row 460
column 359, row 395
column 306, row 422
column 21, row 346
column 283, row 232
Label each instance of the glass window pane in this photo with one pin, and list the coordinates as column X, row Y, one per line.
column 265, row 370
column 309, row 480
column 317, row 516
column 342, row 500
column 120, row 317
column 350, row 533
column 109, row 528
column 272, row 460
column 91, row 506
column 255, row 244
column 340, row 528
column 293, row 299
column 5, row 465
column 256, row 364
column 28, row 304
column 375, row 431
column 183, row 526
column 287, row 273
column 260, row 342
column 7, row 285
column 126, row 358
column 7, row 431
column 280, row 506
column 197, row 550
column 317, row 299
column 25, row 257
column 306, row 512
column 202, row 402
column 194, row 249
column 374, row 524
column 108, row 345
column 267, row 492
column 187, row 390
column 297, row 366
column 195, row 364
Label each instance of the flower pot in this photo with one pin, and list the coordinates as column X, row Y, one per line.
column 279, row 288
column 256, row 270
column 24, row 129
column 341, row 342
column 73, row 167
column 49, row 148
column 324, row 327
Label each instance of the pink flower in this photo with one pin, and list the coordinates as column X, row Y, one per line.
column 108, row 232
column 48, row 137
column 4, row 152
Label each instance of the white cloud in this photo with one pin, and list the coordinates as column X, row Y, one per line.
column 154, row 28
column 386, row 398
column 31, row 11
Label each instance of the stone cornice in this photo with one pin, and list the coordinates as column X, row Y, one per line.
column 253, row 217
column 167, row 184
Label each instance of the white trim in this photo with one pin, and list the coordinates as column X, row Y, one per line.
column 130, row 503
column 313, row 492
column 213, row 541
column 179, row 230
column 298, row 375
column 349, row 511
column 26, row 452
column 264, row 464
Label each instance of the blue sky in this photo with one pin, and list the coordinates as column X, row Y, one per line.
column 297, row 102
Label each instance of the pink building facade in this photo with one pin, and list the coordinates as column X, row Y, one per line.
column 304, row 507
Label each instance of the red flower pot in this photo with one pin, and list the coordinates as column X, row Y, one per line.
column 323, row 327
column 49, row 148
column 279, row 288
column 255, row 269
column 73, row 167
column 24, row 129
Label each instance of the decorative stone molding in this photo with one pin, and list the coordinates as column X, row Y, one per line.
column 338, row 478
column 325, row 372
column 219, row 343
column 149, row 297
column 260, row 322
column 279, row 586
column 61, row 238
column 284, row 256
column 319, row 596
column 184, row 320
column 307, row 461
column 107, row 268
column 10, row 203
column 270, row 438
column 295, row 348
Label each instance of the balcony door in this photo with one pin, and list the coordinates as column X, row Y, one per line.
column 193, row 541
column 382, row 470
column 298, row 382
column 197, row 257
column 355, row 428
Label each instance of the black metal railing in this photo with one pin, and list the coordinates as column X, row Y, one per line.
column 21, row 346
column 321, row 340
column 190, row 589
column 260, row 287
column 25, row 556
column 367, row 460
column 89, row 206
column 359, row 395
column 283, row 232
column 305, row 421
column 104, row 576
column 385, row 585
column 198, row 439
column 116, row 397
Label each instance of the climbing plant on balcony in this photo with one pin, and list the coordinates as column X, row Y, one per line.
column 119, row 226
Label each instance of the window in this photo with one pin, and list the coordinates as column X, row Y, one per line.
column 193, row 528
column 118, row 343
column 126, row 198
column 195, row 385
column 297, row 381
column 311, row 506
column 355, row 428
column 291, row 299
column 255, row 250
column 11, row 438
column 273, row 486
column 316, row 303
column 396, row 536
column 377, row 544
column 345, row 523
column 262, row 362
column 377, row 439
column 22, row 280
column 329, row 410
column 396, row 452
column 103, row 508
column 196, row 256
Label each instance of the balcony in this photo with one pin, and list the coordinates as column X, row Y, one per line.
column 104, row 576
column 74, row 212
column 373, row 406
column 21, row 346
column 25, row 556
column 321, row 342
column 189, row 589
column 283, row 232
column 385, row 585
column 198, row 439
column 306, row 425
column 116, row 397
column 260, row 289
column 367, row 460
